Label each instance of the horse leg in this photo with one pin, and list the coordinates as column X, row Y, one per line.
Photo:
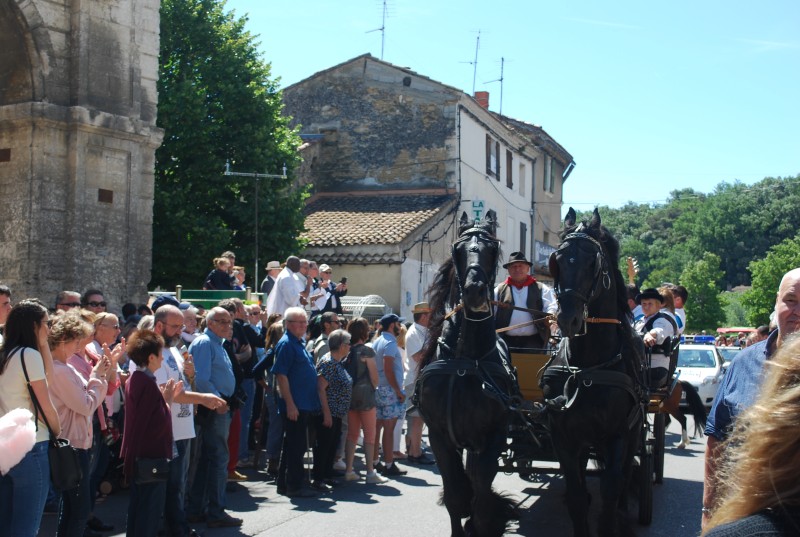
column 611, row 486
column 491, row 511
column 457, row 492
column 571, row 460
column 684, row 433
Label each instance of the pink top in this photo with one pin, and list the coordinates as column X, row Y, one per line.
column 76, row 401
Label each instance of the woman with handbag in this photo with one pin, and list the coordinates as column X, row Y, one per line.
column 362, row 413
column 147, row 444
column 76, row 401
column 23, row 491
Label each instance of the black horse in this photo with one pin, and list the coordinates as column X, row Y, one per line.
column 593, row 384
column 464, row 387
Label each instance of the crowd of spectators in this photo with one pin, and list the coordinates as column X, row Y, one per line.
column 194, row 396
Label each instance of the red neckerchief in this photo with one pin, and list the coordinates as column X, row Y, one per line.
column 527, row 283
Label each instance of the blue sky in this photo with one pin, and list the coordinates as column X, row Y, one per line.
column 647, row 97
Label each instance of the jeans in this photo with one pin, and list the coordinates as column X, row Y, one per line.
column 249, row 387
column 290, row 471
column 145, row 509
column 75, row 503
column 275, row 431
column 23, row 492
column 208, row 490
column 174, row 514
column 98, row 463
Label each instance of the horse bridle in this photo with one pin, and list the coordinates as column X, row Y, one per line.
column 601, row 274
column 471, row 234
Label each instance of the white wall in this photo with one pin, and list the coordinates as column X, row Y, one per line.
column 511, row 207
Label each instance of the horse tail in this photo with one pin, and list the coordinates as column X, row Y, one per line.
column 696, row 407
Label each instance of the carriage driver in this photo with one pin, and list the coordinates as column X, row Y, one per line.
column 657, row 330
column 520, row 289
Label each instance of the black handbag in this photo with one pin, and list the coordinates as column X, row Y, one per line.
column 151, row 471
column 65, row 466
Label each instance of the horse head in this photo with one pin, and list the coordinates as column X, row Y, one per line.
column 475, row 256
column 582, row 271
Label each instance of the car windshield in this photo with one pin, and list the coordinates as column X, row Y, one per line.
column 696, row 358
column 729, row 353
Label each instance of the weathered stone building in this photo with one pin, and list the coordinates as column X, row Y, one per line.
column 386, row 144
column 77, row 145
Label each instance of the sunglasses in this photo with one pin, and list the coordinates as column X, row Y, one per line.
column 112, row 326
column 97, row 304
column 76, row 304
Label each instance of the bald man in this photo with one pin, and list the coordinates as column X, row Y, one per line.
column 742, row 383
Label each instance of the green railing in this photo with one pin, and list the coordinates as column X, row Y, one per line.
column 209, row 299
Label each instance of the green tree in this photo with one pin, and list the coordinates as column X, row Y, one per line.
column 218, row 102
column 735, row 312
column 767, row 274
column 701, row 278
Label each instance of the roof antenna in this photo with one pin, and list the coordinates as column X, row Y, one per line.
column 502, row 65
column 382, row 29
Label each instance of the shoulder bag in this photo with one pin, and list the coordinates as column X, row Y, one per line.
column 65, row 467
column 151, row 471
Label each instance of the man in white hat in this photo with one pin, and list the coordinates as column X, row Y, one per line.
column 273, row 268
column 416, row 338
column 328, row 294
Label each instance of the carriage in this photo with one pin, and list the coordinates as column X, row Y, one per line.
column 529, row 450
column 592, row 394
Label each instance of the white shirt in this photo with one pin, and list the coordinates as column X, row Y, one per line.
column 415, row 341
column 680, row 318
column 182, row 413
column 663, row 329
column 285, row 294
column 549, row 305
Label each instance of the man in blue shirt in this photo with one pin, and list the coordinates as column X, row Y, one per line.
column 742, row 382
column 297, row 381
column 389, row 396
column 213, row 374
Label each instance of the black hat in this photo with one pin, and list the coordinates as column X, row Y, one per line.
column 164, row 300
column 390, row 318
column 649, row 293
column 517, row 257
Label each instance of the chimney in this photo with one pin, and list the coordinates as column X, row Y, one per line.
column 483, row 98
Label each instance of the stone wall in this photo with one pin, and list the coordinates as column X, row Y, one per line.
column 384, row 127
column 78, row 105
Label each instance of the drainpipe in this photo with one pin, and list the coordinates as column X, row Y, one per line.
column 533, row 207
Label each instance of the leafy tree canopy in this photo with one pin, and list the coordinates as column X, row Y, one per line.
column 701, row 279
column 218, row 102
column 767, row 274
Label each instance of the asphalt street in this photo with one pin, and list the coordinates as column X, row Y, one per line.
column 409, row 505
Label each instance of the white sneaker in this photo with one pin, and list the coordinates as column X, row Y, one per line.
column 351, row 476
column 373, row 478
column 340, row 465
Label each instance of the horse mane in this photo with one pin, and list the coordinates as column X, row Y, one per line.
column 442, row 294
column 611, row 247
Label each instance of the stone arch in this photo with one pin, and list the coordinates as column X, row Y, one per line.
column 25, row 49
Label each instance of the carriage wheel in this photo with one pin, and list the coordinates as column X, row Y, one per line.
column 659, row 433
column 645, row 487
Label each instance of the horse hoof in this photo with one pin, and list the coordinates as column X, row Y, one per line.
column 681, row 446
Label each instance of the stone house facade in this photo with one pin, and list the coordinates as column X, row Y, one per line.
column 78, row 137
column 386, row 144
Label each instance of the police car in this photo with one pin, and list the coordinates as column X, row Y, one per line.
column 701, row 366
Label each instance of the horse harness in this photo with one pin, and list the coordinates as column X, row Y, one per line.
column 485, row 370
column 600, row 274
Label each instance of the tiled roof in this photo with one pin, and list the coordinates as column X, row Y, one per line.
column 351, row 220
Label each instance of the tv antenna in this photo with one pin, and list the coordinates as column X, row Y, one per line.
column 502, row 65
column 382, row 29
column 474, row 63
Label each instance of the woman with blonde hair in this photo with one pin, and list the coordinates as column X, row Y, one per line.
column 76, row 401
column 761, row 493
